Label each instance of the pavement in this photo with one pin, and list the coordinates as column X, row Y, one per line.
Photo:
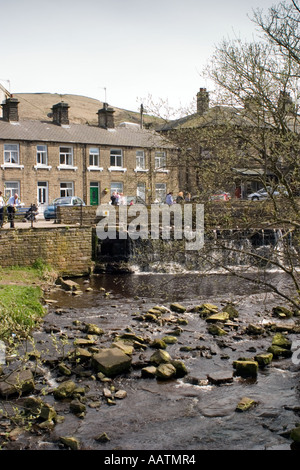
column 40, row 223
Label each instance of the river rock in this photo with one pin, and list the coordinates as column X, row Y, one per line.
column 36, row 407
column 264, row 359
column 169, row 339
column 65, row 390
column 71, row 442
column 282, row 312
column 206, row 309
column 219, row 378
column 216, row 330
column 18, row 382
column 160, row 356
column 68, row 285
column 165, row 371
column 295, row 434
column 148, row 372
column 277, row 351
column 176, row 307
column 181, row 369
column 103, row 437
column 111, row 361
column 252, row 329
column 77, row 407
column 218, row 317
column 93, row 329
column 125, row 347
column 158, row 344
column 280, row 340
column 246, row 368
column 245, row 404
column 231, row 310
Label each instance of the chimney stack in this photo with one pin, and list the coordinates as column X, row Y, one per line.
column 61, row 113
column 202, row 101
column 10, row 110
column 106, row 117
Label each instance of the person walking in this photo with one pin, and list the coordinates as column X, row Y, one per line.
column 169, row 198
column 2, row 203
column 12, row 204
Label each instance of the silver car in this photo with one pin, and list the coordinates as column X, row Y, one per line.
column 265, row 193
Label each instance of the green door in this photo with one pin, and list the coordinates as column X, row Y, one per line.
column 94, row 194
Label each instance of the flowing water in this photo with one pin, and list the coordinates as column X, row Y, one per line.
column 187, row 413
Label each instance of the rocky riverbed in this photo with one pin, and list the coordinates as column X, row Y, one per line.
column 152, row 362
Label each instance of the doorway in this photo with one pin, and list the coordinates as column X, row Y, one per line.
column 94, row 193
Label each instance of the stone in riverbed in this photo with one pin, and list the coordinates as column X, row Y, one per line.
column 216, row 330
column 65, row 390
column 219, row 378
column 160, row 356
column 176, row 307
column 148, row 372
column 68, row 284
column 111, row 361
column 71, row 442
column 264, row 359
column 165, row 371
column 246, row 368
column 277, row 351
column 295, row 434
column 245, row 404
column 218, row 317
column 280, row 340
column 18, row 382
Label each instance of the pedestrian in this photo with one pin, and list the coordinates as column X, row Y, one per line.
column 1, row 209
column 12, row 204
column 114, row 198
column 179, row 198
column 122, row 200
column 169, row 198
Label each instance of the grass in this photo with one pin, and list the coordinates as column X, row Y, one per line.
column 21, row 299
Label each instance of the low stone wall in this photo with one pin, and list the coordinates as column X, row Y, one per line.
column 69, row 250
column 82, row 215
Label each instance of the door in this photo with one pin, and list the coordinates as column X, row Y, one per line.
column 94, row 194
column 42, row 193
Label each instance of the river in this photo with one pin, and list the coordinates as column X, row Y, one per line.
column 188, row 413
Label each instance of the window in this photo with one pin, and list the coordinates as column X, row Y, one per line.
column 66, row 156
column 160, row 160
column 41, row 155
column 160, row 192
column 11, row 188
column 116, row 158
column 94, row 157
column 11, row 154
column 140, row 160
column 117, row 187
column 141, row 191
column 66, row 189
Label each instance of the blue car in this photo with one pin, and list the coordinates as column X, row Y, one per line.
column 50, row 211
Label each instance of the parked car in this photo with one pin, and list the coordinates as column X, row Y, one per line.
column 50, row 211
column 220, row 196
column 265, row 193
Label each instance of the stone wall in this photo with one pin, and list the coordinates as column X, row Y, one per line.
column 69, row 250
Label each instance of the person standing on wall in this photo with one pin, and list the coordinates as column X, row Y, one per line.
column 12, row 203
column 1, row 209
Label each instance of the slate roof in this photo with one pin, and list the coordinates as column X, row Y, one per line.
column 47, row 131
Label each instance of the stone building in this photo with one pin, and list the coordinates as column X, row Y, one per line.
column 45, row 159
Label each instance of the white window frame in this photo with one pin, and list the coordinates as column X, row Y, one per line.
column 160, row 191
column 42, row 157
column 116, row 154
column 66, row 158
column 94, row 160
column 11, row 152
column 13, row 189
column 116, row 186
column 141, row 190
column 140, row 164
column 160, row 162
column 68, row 190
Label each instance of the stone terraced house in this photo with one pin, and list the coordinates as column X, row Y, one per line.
column 45, row 159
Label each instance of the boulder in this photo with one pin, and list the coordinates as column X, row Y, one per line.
column 77, row 407
column 93, row 329
column 158, row 344
column 111, row 361
column 254, row 329
column 216, row 330
column 295, row 434
column 165, row 371
column 168, row 339
column 246, row 368
column 282, row 312
column 277, row 351
column 125, row 347
column 282, row 341
column 18, row 382
column 180, row 367
column 231, row 310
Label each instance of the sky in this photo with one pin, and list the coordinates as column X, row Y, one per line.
column 119, row 51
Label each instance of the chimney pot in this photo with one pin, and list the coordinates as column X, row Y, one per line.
column 202, row 101
column 61, row 113
column 106, row 117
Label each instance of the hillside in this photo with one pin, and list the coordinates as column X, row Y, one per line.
column 83, row 110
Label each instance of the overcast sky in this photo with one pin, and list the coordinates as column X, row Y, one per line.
column 133, row 48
